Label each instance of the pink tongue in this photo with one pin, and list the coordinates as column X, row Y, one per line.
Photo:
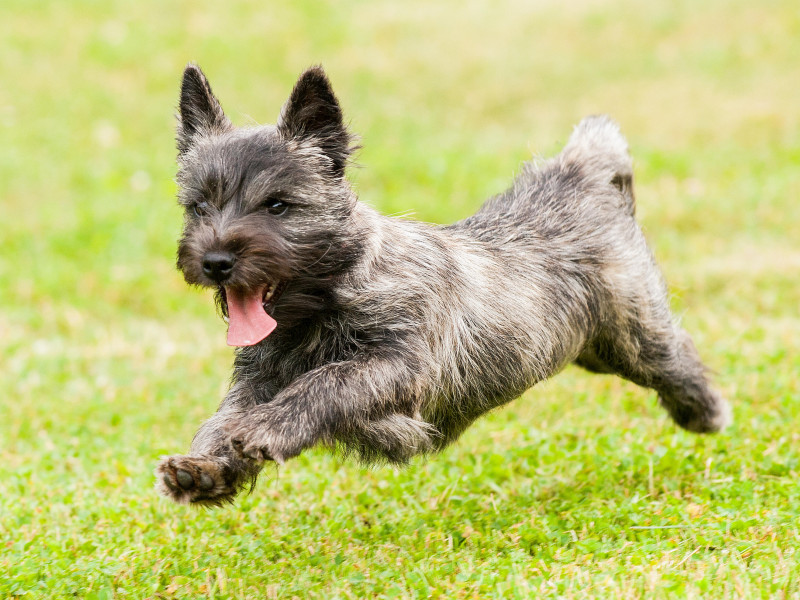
column 248, row 322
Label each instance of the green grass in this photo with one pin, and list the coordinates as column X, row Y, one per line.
column 582, row 488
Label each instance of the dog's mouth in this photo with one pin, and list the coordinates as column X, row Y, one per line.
column 249, row 320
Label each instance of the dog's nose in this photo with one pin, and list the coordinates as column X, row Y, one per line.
column 218, row 265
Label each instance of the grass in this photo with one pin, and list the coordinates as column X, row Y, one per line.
column 582, row 488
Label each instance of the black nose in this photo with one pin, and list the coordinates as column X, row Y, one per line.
column 218, row 265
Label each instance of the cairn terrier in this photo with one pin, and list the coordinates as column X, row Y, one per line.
column 387, row 337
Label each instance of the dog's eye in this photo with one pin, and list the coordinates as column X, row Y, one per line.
column 201, row 208
column 276, row 206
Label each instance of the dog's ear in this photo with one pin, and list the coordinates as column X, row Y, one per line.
column 313, row 113
column 200, row 111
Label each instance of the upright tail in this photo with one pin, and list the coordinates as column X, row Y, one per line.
column 599, row 147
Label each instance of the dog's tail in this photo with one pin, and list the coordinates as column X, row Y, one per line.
column 597, row 145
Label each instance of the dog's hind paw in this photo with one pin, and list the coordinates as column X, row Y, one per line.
column 196, row 480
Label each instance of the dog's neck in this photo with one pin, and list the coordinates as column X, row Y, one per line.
column 369, row 228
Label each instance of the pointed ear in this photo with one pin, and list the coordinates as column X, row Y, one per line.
column 200, row 111
column 312, row 113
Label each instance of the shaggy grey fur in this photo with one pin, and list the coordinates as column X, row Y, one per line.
column 394, row 335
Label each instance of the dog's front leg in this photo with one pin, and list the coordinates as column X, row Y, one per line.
column 369, row 402
column 210, row 473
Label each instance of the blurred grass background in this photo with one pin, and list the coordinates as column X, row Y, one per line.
column 582, row 488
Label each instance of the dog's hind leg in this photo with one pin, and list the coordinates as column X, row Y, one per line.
column 685, row 391
column 652, row 351
column 638, row 338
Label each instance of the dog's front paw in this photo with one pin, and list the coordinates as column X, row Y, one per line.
column 258, row 442
column 196, row 480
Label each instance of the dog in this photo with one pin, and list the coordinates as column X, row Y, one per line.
column 385, row 337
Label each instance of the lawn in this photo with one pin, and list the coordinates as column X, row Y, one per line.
column 582, row 487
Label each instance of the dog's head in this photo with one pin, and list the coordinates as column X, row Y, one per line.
column 268, row 218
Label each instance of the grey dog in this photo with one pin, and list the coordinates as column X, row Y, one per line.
column 386, row 337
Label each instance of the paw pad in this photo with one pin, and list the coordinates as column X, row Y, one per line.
column 184, row 478
column 201, row 480
column 205, row 483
